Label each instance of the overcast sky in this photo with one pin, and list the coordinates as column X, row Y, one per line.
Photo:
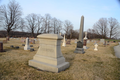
column 72, row 10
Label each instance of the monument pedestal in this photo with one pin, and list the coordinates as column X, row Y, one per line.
column 49, row 64
column 79, row 50
column 49, row 56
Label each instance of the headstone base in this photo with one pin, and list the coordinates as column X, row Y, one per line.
column 49, row 64
column 27, row 47
column 79, row 50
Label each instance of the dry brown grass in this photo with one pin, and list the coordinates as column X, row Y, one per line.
column 93, row 65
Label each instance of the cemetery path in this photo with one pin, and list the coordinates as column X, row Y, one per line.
column 117, row 51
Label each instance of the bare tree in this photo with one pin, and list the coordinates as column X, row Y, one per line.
column 67, row 27
column 100, row 27
column 47, row 19
column 114, row 27
column 59, row 26
column 10, row 15
column 39, row 24
column 31, row 23
column 54, row 24
column 22, row 25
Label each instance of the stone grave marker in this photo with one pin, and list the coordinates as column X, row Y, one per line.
column 31, row 45
column 49, row 56
column 75, row 40
column 64, row 42
column 102, row 41
column 16, row 47
column 33, row 41
column 27, row 46
column 95, row 49
column 68, row 42
column 79, row 48
column 1, row 47
column 85, row 41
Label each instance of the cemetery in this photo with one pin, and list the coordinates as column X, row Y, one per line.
column 51, row 58
column 40, row 47
column 90, row 65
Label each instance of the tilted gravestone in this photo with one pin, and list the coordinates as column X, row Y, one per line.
column 49, row 56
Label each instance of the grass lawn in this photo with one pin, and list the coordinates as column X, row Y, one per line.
column 93, row 65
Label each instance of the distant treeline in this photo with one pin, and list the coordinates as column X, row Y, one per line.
column 16, row 34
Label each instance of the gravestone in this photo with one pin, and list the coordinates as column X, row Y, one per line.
column 27, row 46
column 107, row 42
column 49, row 56
column 79, row 48
column 31, row 49
column 16, row 47
column 33, row 41
column 31, row 45
column 23, row 44
column 85, row 41
column 7, row 38
column 64, row 42
column 75, row 40
column 95, row 49
column 102, row 41
column 68, row 42
column 1, row 47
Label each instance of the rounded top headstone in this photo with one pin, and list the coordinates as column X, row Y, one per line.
column 50, row 36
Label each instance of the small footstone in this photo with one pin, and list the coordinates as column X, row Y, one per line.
column 23, row 44
column 17, row 47
column 11, row 46
column 32, row 49
column 31, row 45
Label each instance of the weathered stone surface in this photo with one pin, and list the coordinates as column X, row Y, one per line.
column 49, row 56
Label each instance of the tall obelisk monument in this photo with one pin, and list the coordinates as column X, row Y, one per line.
column 81, row 29
column 79, row 48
